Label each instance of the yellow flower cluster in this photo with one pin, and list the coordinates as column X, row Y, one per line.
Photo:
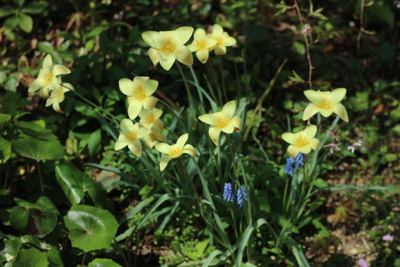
column 326, row 103
column 50, row 84
column 168, row 46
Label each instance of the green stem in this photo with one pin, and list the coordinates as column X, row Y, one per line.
column 40, row 176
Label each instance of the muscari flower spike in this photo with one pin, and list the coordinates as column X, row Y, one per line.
column 325, row 103
column 223, row 120
column 241, row 195
column 168, row 46
column 228, row 194
column 174, row 151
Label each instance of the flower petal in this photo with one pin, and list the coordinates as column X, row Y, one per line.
column 121, row 142
column 214, row 134
column 310, row 111
column 167, row 60
column 47, row 64
column 36, row 85
column 134, row 109
column 202, row 55
column 126, row 126
column 228, row 129
column 182, row 140
column 237, row 122
column 326, row 112
column 293, row 151
column 313, row 96
column 183, row 34
column 60, row 70
column 340, row 110
column 150, row 102
column 154, row 56
column 126, row 86
column 136, row 148
column 199, row 34
column 189, row 149
column 228, row 110
column 314, row 143
column 229, row 41
column 164, row 162
column 184, row 56
column 290, row 138
column 150, row 86
column 163, row 148
column 310, row 132
column 220, row 50
column 153, row 39
column 208, row 118
column 217, row 30
column 337, row 95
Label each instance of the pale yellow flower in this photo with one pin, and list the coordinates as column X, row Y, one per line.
column 154, row 137
column 223, row 120
column 223, row 40
column 174, row 151
column 130, row 136
column 168, row 46
column 325, row 103
column 47, row 79
column 201, row 44
column 302, row 141
column 139, row 92
column 151, row 118
column 57, row 95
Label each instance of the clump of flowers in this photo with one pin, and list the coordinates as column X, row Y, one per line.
column 202, row 44
column 303, row 141
column 222, row 121
column 168, row 46
column 130, row 136
column 174, row 151
column 325, row 103
column 292, row 164
column 223, row 40
column 241, row 194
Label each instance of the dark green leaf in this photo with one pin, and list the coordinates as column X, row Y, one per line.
column 9, row 248
column 5, row 150
column 90, row 228
column 70, row 179
column 31, row 257
column 10, row 102
column 94, row 33
column 25, row 22
column 94, row 143
column 34, row 7
column 10, row 23
column 19, row 218
column 35, row 129
column 45, row 47
column 37, row 149
column 6, row 11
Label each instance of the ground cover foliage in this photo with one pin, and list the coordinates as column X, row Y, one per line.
column 279, row 147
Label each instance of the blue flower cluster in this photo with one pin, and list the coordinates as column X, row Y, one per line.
column 241, row 194
column 293, row 164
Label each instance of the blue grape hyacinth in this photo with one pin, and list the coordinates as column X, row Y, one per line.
column 241, row 195
column 228, row 193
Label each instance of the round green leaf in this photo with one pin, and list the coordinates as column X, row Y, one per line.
column 5, row 150
column 19, row 218
column 34, row 7
column 10, row 247
column 103, row 263
column 25, row 22
column 31, row 257
column 90, row 228
column 37, row 149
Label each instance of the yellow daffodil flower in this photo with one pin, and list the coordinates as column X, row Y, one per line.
column 47, row 79
column 223, row 40
column 57, row 95
column 223, row 120
column 130, row 136
column 325, row 103
column 154, row 137
column 302, row 141
column 201, row 44
column 151, row 118
column 168, row 46
column 174, row 151
column 139, row 92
